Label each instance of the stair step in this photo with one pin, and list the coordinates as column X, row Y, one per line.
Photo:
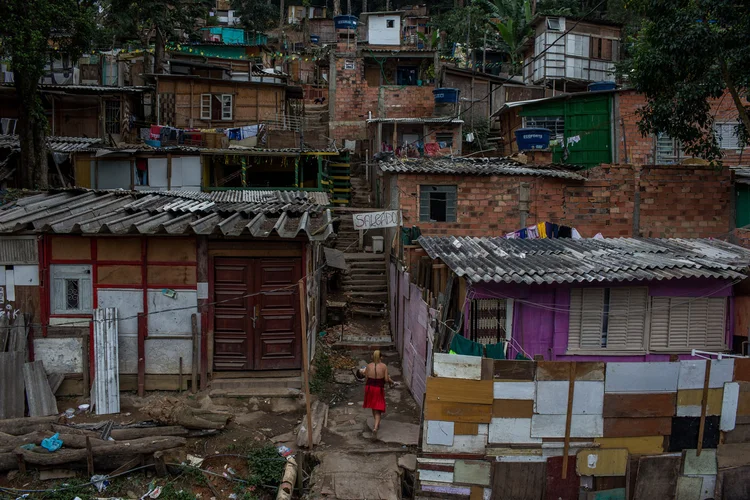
column 368, row 312
column 369, row 295
column 367, row 282
column 358, row 265
column 364, row 301
column 365, row 288
column 366, row 273
column 257, row 392
column 257, row 383
column 364, row 256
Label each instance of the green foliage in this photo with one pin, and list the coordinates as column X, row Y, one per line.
column 170, row 492
column 514, row 27
column 323, row 373
column 256, row 15
column 266, row 466
column 141, row 19
column 474, row 18
column 686, row 54
column 71, row 488
column 481, row 130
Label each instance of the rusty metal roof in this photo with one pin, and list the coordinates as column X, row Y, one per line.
column 224, row 213
column 545, row 261
column 475, row 166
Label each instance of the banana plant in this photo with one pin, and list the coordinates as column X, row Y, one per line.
column 432, row 41
column 514, row 26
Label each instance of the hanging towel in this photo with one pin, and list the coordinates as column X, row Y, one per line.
column 552, row 230
column 576, row 235
column 523, row 234
column 532, row 232
column 496, row 351
column 462, row 345
column 542, row 228
column 564, row 232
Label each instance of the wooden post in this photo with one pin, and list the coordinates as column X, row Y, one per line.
column 196, row 346
column 204, row 309
column 86, row 373
column 159, row 464
column 568, row 417
column 132, row 173
column 89, row 457
column 141, row 354
column 169, row 171
column 305, row 355
column 179, row 377
column 704, row 402
column 21, row 463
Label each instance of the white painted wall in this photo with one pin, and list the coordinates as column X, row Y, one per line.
column 379, row 34
column 186, row 173
column 60, row 355
column 176, row 316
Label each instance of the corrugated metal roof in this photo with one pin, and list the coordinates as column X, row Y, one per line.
column 475, row 166
column 54, row 144
column 236, row 150
column 224, row 213
column 84, row 89
column 444, row 120
column 741, row 174
column 544, row 261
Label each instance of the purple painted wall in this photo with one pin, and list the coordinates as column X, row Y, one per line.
column 540, row 317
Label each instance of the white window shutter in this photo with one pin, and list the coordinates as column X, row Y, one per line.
column 627, row 318
column 574, row 322
column 679, row 321
column 591, row 318
column 684, row 323
column 59, row 274
column 659, row 331
column 716, row 321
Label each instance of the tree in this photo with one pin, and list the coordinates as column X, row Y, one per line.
column 158, row 20
column 688, row 53
column 30, row 32
column 514, row 27
column 256, row 15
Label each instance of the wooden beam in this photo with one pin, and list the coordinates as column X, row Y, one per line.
column 305, row 356
column 568, row 418
column 704, row 403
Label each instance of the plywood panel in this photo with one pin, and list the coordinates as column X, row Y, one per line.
column 634, row 427
column 466, row 429
column 735, row 485
column 488, row 368
column 560, row 370
column 553, row 426
column 459, row 390
column 439, row 432
column 639, row 405
column 125, row 249
column 505, row 369
column 458, row 412
column 743, row 400
column 689, row 488
column 436, row 476
column 689, row 402
column 557, row 487
column 693, row 373
column 458, row 366
column 12, row 402
column 512, row 408
column 519, row 481
column 511, row 430
column 172, row 275
column 514, row 390
column 119, row 275
column 552, row 398
column 602, row 462
column 734, row 455
column 474, row 472
column 657, row 477
column 703, row 464
column 685, row 433
column 642, row 377
column 729, row 404
column 171, row 250
column 461, row 444
column 645, row 445
column 71, row 248
column 742, row 369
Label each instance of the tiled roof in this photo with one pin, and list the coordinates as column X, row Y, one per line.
column 544, row 261
column 55, row 144
column 89, row 89
column 475, row 166
column 224, row 213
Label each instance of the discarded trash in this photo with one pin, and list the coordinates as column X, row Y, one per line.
column 284, row 451
column 70, row 413
column 233, row 496
column 168, row 292
column 52, row 443
column 84, row 407
column 155, row 492
column 194, row 461
column 100, row 481
column 231, row 471
column 350, row 404
column 28, row 447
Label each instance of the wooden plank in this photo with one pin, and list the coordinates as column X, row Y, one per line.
column 119, row 275
column 458, row 366
column 106, row 394
column 440, row 432
column 71, row 248
column 689, row 488
column 511, row 430
column 733, row 484
column 740, row 434
column 473, row 472
column 639, row 405
column 55, row 380
column 704, row 405
column 553, row 426
column 507, row 369
column 613, row 494
column 685, row 430
column 437, row 467
column 558, row 488
column 729, row 456
column 552, row 398
column 692, row 373
column 569, row 417
column 729, row 403
column 558, row 370
column 689, row 402
column 488, row 368
column 436, row 476
column 477, row 493
column 512, row 408
column 12, row 401
column 465, row 429
column 602, row 462
column 742, row 370
column 521, row 481
column 657, row 477
column 459, row 390
column 629, row 377
column 743, row 400
column 121, row 249
column 18, row 336
column 40, row 399
column 634, row 427
column 514, row 390
column 171, row 250
column 703, row 464
column 171, row 275
column 644, row 445
column 458, row 412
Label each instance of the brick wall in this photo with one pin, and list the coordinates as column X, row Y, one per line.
column 676, row 202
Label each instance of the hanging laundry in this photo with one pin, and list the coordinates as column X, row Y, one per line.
column 576, row 235
column 155, row 134
column 431, row 148
column 532, row 232
column 462, row 345
column 564, row 232
column 496, row 351
column 552, row 230
column 523, row 234
column 542, row 229
column 512, row 236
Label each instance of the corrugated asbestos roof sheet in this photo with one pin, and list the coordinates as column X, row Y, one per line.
column 236, row 150
column 444, row 120
column 474, row 166
column 544, row 261
column 741, row 174
column 225, row 213
column 89, row 89
column 55, row 144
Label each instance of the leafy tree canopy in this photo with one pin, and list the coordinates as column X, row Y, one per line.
column 256, row 15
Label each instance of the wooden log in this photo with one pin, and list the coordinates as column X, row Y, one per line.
column 66, row 429
column 89, row 456
column 19, row 426
column 69, row 440
column 161, row 467
column 143, row 432
column 288, row 479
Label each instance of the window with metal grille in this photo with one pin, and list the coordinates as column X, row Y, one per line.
column 71, row 290
column 555, row 124
column 444, row 137
column 679, row 324
column 437, row 203
column 491, row 320
column 668, row 150
column 726, row 135
column 612, row 319
column 112, row 117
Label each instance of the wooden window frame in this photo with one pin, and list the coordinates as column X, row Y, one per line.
column 676, row 313
column 84, row 276
column 427, row 190
column 206, row 106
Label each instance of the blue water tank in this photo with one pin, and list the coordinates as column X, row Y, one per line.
column 532, row 138
column 314, row 38
column 597, row 86
column 345, row 22
column 446, row 95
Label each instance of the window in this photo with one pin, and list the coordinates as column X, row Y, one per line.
column 610, row 319
column 406, row 75
column 491, row 320
column 390, row 23
column 112, row 121
column 216, row 107
column 600, row 48
column 555, row 24
column 668, row 150
column 444, row 138
column 437, row 203
column 726, row 135
column 556, row 124
column 684, row 323
column 71, row 289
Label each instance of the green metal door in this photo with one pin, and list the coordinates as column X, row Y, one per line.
column 742, row 209
column 588, row 130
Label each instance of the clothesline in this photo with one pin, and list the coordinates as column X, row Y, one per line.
column 545, row 230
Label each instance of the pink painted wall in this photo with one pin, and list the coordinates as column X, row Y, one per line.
column 540, row 318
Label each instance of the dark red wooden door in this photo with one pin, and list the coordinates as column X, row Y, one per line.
column 254, row 330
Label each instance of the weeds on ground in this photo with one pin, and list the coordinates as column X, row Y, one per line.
column 266, row 467
column 323, row 374
column 70, row 489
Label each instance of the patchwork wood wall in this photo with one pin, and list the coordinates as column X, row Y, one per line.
column 500, row 429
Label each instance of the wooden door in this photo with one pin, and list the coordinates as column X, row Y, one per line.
column 232, row 311
column 277, row 337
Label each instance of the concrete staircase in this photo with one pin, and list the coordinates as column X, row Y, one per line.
column 366, row 284
column 316, row 125
column 361, row 192
column 263, row 387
